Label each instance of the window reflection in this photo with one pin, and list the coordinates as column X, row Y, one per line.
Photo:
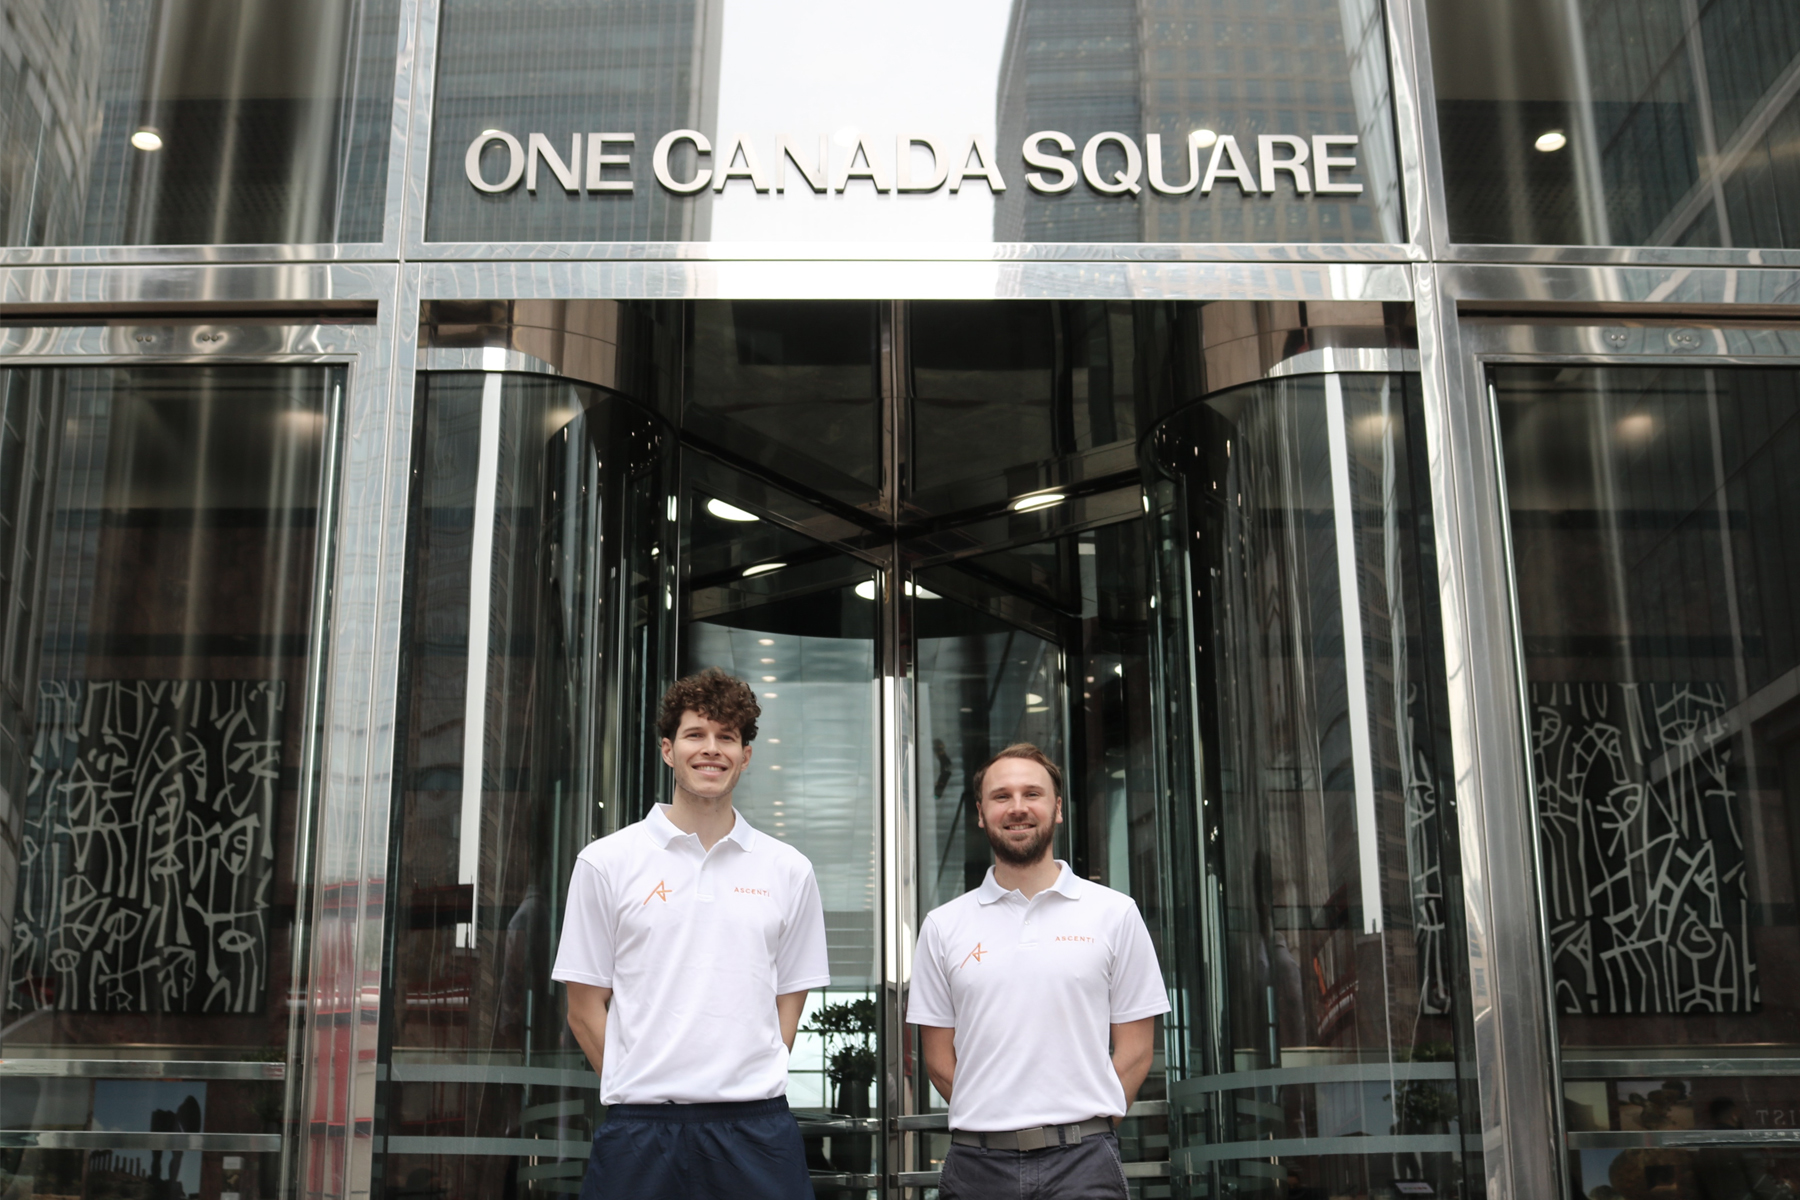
column 1312, row 857
column 537, row 605
column 160, row 529
column 1651, row 513
column 1619, row 123
column 139, row 122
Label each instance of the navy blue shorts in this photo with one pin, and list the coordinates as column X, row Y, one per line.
column 749, row 1150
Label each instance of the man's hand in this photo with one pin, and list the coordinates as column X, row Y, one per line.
column 587, row 1019
column 1134, row 1048
column 940, row 1056
column 788, row 1008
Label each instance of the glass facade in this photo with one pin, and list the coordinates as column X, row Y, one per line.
column 1354, row 439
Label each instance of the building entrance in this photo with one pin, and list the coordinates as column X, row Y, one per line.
column 1173, row 545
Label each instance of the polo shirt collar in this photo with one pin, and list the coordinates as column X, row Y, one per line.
column 664, row 830
column 1067, row 884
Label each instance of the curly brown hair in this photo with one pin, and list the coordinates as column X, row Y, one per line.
column 716, row 696
column 1029, row 753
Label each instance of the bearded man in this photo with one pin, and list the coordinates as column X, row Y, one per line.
column 1036, row 997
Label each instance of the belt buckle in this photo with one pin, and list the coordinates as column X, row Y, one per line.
column 1033, row 1139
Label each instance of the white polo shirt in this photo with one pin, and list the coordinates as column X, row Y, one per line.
column 695, row 945
column 1032, row 988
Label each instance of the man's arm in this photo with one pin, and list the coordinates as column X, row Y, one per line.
column 1133, row 1049
column 940, row 1057
column 789, row 1008
column 587, row 1019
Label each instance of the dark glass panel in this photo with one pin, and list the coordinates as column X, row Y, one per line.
column 1619, row 122
column 188, row 122
column 539, row 533
column 160, row 540
column 1653, row 514
column 1312, row 879
column 790, row 386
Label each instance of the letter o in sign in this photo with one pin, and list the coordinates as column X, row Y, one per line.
column 515, row 168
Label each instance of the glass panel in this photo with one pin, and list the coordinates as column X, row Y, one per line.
column 138, row 122
column 803, row 635
column 789, row 385
column 1652, row 514
column 821, row 94
column 1619, row 122
column 160, row 529
column 540, row 514
column 1319, row 1036
column 1001, row 390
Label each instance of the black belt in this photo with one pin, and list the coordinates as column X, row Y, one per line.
column 1032, row 1139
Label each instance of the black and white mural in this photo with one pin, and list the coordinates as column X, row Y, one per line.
column 148, row 860
column 1637, row 789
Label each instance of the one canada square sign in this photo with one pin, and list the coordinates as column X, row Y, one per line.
column 1049, row 162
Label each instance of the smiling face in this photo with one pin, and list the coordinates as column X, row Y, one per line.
column 707, row 757
column 1019, row 810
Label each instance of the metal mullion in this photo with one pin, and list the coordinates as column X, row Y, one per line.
column 415, row 134
column 1510, row 1019
column 899, row 868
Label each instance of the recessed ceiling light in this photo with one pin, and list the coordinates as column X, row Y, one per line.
column 1033, row 698
column 1041, row 500
column 1037, row 708
column 763, row 568
column 728, row 512
column 765, row 641
column 866, row 589
column 1118, row 668
column 147, row 139
column 774, row 741
column 766, row 660
column 1204, row 137
column 770, row 696
column 768, row 679
column 774, row 766
column 1552, row 141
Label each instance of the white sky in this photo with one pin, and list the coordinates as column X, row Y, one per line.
column 929, row 67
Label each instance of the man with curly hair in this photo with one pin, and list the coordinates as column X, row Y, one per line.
column 688, row 947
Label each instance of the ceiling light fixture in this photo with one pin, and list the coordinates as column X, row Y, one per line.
column 763, row 569
column 1552, row 141
column 147, row 139
column 1041, row 500
column 729, row 512
column 1204, row 138
column 866, row 589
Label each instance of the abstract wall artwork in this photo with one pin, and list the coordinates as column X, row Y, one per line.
column 1637, row 790
column 148, row 859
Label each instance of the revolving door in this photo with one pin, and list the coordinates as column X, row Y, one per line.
column 1175, row 545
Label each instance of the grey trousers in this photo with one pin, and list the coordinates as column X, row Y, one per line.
column 1089, row 1170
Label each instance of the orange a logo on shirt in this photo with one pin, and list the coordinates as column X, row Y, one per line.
column 975, row 954
column 659, row 892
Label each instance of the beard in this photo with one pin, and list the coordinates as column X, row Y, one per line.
column 1025, row 855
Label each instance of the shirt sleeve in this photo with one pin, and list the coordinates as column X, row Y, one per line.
column 928, row 1001
column 1137, row 982
column 585, row 954
column 802, row 960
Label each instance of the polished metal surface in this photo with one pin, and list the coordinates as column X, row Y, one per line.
column 910, row 280
column 227, row 1143
column 139, row 1068
column 1515, row 1081
column 1338, row 360
column 1634, row 1068
column 1716, row 289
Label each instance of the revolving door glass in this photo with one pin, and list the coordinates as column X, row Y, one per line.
column 923, row 532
